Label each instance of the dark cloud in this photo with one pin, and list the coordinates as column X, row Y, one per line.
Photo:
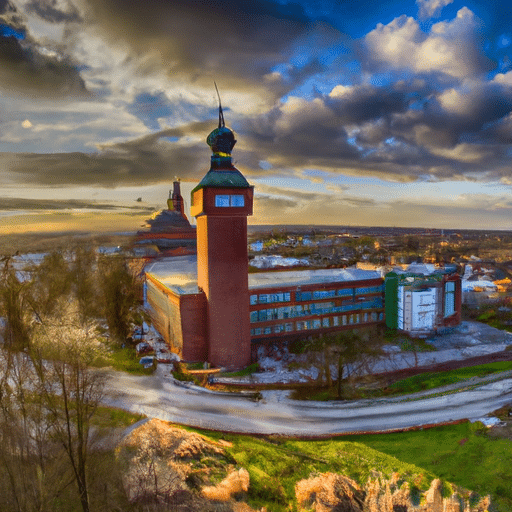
column 147, row 160
column 365, row 103
column 28, row 68
column 16, row 203
column 53, row 11
column 24, row 70
column 238, row 42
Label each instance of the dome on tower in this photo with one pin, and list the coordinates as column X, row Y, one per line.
column 221, row 140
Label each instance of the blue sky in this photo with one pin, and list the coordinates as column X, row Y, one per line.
column 362, row 113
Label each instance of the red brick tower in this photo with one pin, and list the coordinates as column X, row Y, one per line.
column 221, row 203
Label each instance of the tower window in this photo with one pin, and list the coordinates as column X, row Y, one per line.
column 226, row 201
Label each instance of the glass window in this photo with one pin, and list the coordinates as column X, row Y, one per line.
column 237, row 200
column 335, row 321
column 325, row 322
column 317, row 324
column 303, row 296
column 254, row 316
column 344, row 319
column 222, row 201
column 257, row 331
column 268, row 330
column 254, row 299
column 288, row 327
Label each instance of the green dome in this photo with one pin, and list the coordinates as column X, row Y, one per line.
column 221, row 140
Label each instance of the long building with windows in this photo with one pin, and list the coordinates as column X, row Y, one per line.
column 209, row 308
column 282, row 305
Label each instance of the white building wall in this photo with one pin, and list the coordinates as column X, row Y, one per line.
column 424, row 309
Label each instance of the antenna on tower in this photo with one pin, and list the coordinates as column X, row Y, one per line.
column 221, row 115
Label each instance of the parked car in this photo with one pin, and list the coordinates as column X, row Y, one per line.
column 143, row 348
column 147, row 361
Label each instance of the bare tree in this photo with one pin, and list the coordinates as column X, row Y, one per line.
column 354, row 352
column 71, row 392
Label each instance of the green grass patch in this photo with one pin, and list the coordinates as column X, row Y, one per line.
column 125, row 360
column 462, row 454
column 276, row 464
column 252, row 368
column 111, row 417
column 426, row 381
column 194, row 366
column 415, row 345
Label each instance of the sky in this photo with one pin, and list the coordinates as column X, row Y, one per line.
column 375, row 113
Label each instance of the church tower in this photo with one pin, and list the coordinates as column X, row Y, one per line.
column 221, row 203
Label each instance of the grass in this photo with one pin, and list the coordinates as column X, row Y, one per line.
column 276, row 464
column 126, row 360
column 416, row 383
column 110, row 417
column 427, row 381
column 252, row 368
column 463, row 454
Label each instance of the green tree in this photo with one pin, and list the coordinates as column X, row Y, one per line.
column 121, row 296
column 85, row 283
column 51, row 281
column 16, row 302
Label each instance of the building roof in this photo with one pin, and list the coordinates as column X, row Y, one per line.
column 309, row 277
column 223, row 178
column 179, row 274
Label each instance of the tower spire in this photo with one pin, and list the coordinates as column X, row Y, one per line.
column 221, row 114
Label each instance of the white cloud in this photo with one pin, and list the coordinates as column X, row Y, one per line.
column 431, row 8
column 26, row 124
column 451, row 47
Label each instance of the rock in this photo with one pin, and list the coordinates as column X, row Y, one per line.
column 235, row 483
column 329, row 492
column 434, row 497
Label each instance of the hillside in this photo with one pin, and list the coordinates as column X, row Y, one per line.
column 173, row 467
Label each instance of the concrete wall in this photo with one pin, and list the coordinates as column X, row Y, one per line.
column 180, row 319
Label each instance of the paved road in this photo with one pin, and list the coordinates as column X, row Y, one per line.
column 158, row 397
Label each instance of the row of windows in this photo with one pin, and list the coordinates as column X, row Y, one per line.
column 318, row 323
column 322, row 308
column 342, row 292
column 269, row 298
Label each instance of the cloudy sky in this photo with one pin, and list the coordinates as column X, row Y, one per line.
column 346, row 112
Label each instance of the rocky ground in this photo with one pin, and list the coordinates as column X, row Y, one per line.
column 164, row 464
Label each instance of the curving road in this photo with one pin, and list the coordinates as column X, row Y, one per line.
column 157, row 396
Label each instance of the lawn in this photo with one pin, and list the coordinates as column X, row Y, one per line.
column 462, row 454
column 425, row 381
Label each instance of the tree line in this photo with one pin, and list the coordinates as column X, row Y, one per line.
column 51, row 316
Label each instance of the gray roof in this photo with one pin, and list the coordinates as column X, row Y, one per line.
column 179, row 274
